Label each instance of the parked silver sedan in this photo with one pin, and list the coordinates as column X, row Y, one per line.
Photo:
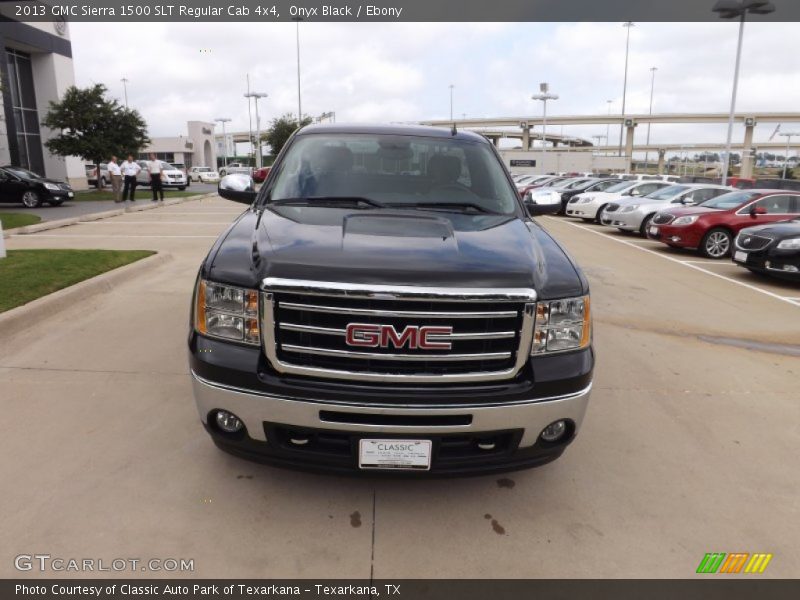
column 635, row 214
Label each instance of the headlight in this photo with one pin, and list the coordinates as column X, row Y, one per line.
column 52, row 186
column 562, row 325
column 629, row 208
column 587, row 199
column 790, row 244
column 226, row 312
column 688, row 220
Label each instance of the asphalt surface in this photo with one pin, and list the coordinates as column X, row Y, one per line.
column 689, row 445
column 85, row 207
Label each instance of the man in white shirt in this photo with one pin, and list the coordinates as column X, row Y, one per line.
column 116, row 178
column 130, row 168
column 156, row 173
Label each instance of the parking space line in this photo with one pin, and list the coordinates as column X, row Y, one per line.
column 110, row 235
column 153, row 223
column 680, row 262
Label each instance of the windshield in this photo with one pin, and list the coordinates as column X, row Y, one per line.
column 729, row 200
column 620, row 187
column 394, row 170
column 23, row 172
column 202, row 169
column 667, row 192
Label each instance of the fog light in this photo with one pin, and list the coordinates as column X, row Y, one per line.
column 228, row 422
column 555, row 431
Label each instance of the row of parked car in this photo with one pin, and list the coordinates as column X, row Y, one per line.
column 177, row 175
column 759, row 229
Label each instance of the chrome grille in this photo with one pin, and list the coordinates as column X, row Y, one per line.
column 305, row 331
column 662, row 219
column 753, row 243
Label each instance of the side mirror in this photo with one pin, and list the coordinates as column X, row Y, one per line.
column 237, row 187
column 757, row 210
column 688, row 201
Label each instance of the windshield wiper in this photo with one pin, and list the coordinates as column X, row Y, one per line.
column 355, row 201
column 446, row 206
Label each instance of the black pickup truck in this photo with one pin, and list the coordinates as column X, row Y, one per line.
column 387, row 304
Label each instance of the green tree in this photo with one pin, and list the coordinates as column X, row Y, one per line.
column 94, row 127
column 280, row 129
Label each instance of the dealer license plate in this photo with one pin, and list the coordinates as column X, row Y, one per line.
column 654, row 231
column 395, row 454
column 739, row 256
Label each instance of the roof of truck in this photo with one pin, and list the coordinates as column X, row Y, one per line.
column 393, row 129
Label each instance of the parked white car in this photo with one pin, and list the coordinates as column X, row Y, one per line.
column 590, row 205
column 634, row 214
column 236, row 167
column 173, row 177
column 91, row 174
column 203, row 175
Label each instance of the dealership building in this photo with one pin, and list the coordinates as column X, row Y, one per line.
column 36, row 69
column 196, row 149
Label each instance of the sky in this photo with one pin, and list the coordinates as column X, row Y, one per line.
column 368, row 72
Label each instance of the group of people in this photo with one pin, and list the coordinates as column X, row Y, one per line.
column 126, row 174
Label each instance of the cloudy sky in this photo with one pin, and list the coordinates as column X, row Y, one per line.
column 401, row 71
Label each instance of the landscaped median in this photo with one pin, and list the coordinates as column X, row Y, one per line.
column 26, row 275
column 142, row 193
column 13, row 220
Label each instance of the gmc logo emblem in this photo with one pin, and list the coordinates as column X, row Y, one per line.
column 413, row 337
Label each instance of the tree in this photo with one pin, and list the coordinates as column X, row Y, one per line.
column 94, row 127
column 280, row 129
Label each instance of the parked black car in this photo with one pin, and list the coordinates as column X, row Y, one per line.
column 592, row 185
column 773, row 248
column 20, row 185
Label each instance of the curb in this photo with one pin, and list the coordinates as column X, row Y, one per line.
column 18, row 319
column 47, row 225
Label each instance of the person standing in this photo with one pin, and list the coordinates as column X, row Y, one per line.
column 130, row 169
column 116, row 179
column 156, row 175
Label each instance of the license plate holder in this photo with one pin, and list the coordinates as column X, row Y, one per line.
column 389, row 454
column 740, row 256
column 653, row 230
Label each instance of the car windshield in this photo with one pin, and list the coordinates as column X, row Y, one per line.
column 667, row 192
column 729, row 200
column 620, row 187
column 23, row 172
column 202, row 169
column 394, row 170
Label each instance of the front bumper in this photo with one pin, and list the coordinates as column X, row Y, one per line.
column 680, row 237
column 582, row 211
column 627, row 221
column 334, row 429
column 784, row 264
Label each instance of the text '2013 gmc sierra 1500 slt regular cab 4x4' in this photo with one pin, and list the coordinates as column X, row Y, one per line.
column 387, row 304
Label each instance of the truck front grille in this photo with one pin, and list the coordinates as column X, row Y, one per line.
column 305, row 327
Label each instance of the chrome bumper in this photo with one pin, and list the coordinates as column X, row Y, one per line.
column 629, row 221
column 254, row 408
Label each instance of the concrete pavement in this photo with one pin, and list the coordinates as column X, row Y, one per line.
column 689, row 445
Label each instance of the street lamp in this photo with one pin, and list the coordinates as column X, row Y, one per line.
column 788, row 137
column 608, row 123
column 544, row 95
column 256, row 96
column 125, row 81
column 451, row 101
column 224, row 120
column 299, row 104
column 652, row 85
column 627, row 25
column 730, row 9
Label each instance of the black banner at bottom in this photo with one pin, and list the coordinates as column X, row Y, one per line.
column 407, row 589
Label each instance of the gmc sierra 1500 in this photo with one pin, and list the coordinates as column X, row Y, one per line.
column 387, row 303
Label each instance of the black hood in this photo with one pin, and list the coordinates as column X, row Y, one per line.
column 393, row 247
column 777, row 230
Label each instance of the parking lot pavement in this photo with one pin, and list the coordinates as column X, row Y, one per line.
column 689, row 445
column 85, row 207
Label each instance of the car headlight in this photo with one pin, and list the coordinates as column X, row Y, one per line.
column 227, row 312
column 789, row 244
column 587, row 199
column 629, row 208
column 52, row 186
column 687, row 220
column 562, row 325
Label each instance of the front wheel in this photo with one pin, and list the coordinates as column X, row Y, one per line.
column 31, row 199
column 646, row 225
column 716, row 243
column 599, row 214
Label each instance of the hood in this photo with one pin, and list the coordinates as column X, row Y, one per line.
column 394, row 248
column 775, row 230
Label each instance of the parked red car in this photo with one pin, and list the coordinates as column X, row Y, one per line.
column 711, row 226
column 260, row 175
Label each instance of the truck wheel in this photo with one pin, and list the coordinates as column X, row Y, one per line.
column 31, row 199
column 716, row 243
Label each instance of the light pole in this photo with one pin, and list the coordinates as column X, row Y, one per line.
column 299, row 102
column 730, row 9
column 256, row 96
column 451, row 101
column 124, row 81
column 788, row 137
column 652, row 86
column 608, row 124
column 627, row 25
column 544, row 95
column 224, row 120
